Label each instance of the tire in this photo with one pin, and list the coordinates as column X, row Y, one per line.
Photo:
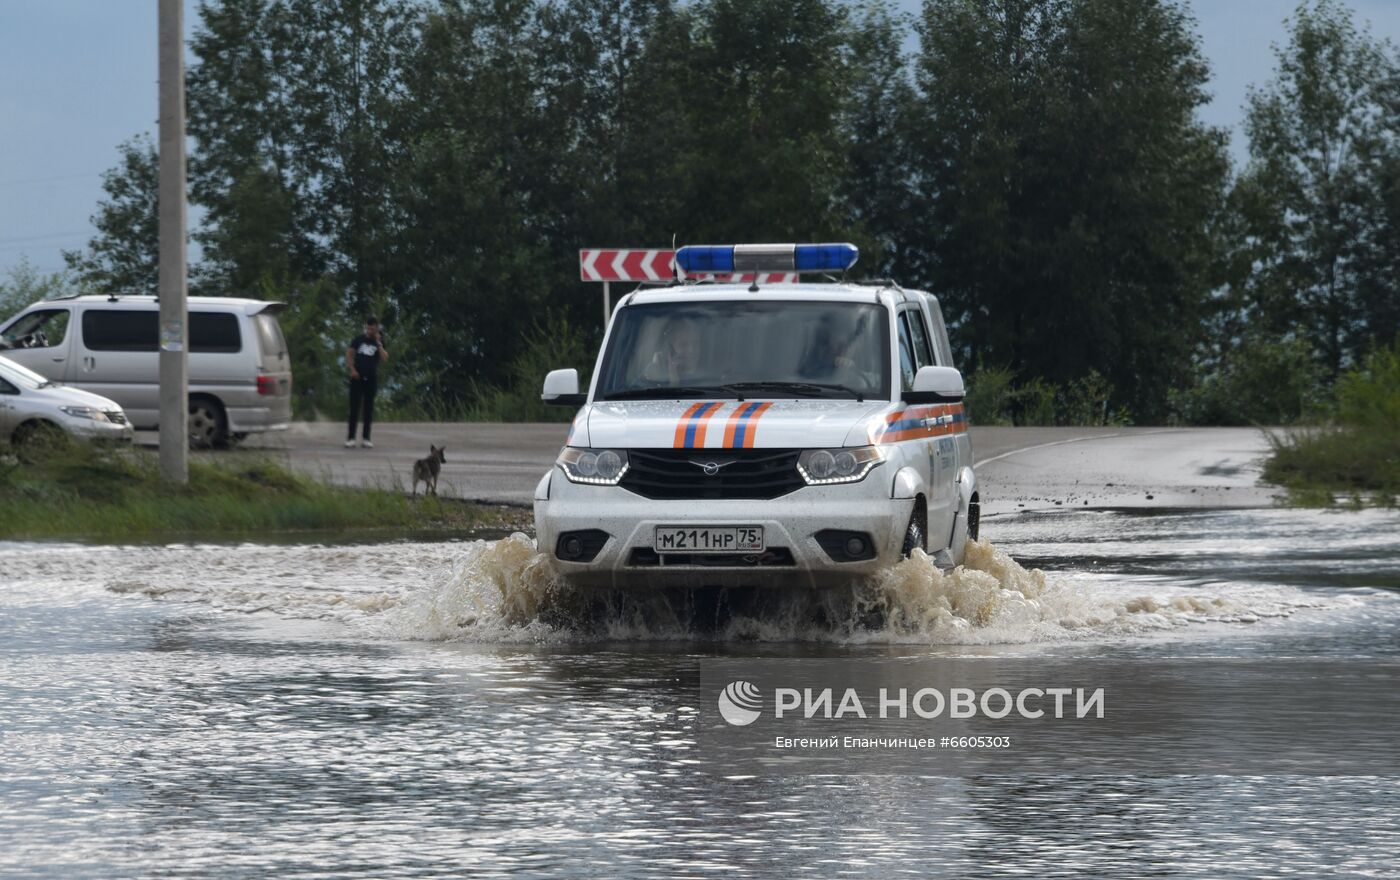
column 974, row 518
column 916, row 535
column 208, row 427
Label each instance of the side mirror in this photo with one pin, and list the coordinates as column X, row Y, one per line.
column 561, row 389
column 936, row 385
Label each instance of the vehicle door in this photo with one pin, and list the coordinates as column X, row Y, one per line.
column 938, row 331
column 40, row 340
column 936, row 447
column 117, row 356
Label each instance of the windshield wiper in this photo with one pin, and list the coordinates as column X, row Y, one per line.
column 666, row 393
column 808, row 389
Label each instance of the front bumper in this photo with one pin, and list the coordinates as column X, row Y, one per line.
column 91, row 429
column 790, row 525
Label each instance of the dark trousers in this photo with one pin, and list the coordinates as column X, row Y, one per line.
column 362, row 395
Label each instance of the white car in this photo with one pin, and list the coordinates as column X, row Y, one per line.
column 743, row 435
column 31, row 405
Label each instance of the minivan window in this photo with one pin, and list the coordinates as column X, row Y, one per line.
column 43, row 328
column 119, row 330
column 130, row 330
column 270, row 334
column 215, row 333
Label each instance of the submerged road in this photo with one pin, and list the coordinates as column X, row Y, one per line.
column 1017, row 468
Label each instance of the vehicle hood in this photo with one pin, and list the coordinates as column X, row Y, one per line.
column 64, row 395
column 722, row 424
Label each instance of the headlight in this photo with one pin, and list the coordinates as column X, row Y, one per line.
column 85, row 412
column 820, row 467
column 599, row 467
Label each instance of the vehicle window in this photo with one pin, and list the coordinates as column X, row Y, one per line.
column 907, row 364
column 7, row 388
column 119, row 330
column 215, row 333
column 815, row 349
column 923, row 354
column 270, row 334
column 940, row 334
column 46, row 328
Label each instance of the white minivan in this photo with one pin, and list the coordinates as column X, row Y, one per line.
column 240, row 375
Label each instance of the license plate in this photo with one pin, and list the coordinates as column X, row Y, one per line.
column 709, row 539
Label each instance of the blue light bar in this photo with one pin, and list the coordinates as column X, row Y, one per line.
column 824, row 257
column 699, row 259
column 696, row 259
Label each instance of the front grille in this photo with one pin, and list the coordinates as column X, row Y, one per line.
column 673, row 475
column 116, row 417
column 645, row 557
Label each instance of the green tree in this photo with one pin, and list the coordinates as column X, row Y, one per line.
column 24, row 284
column 1068, row 187
column 123, row 255
column 1318, row 189
column 247, row 169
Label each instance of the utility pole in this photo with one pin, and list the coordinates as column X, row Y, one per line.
column 172, row 283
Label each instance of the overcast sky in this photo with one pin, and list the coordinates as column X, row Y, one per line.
column 77, row 77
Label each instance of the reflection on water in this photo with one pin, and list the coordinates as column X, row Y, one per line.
column 393, row 710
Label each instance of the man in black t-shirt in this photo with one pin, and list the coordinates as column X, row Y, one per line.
column 363, row 357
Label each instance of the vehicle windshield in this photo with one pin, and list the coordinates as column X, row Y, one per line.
column 757, row 348
column 21, row 376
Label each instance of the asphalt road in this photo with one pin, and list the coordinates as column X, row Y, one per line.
column 1017, row 468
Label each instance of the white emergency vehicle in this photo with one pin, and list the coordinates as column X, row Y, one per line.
column 738, row 434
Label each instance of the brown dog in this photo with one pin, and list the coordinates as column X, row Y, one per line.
column 426, row 470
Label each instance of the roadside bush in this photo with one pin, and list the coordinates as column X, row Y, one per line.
column 1359, row 451
column 555, row 345
column 995, row 399
column 1261, row 382
column 990, row 396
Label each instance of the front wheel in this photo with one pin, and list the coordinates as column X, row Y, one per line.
column 207, row 426
column 33, row 440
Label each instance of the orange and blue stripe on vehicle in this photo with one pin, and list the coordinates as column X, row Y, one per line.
column 743, row 425
column 690, row 432
column 919, row 422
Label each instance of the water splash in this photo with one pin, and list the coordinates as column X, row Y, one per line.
column 506, row 591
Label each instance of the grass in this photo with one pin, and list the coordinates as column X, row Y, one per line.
column 75, row 490
column 1355, row 460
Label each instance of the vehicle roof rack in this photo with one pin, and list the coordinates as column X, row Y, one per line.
column 876, row 282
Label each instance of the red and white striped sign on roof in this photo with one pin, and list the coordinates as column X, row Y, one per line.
column 633, row 264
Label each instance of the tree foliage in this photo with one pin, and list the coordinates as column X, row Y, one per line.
column 123, row 254
column 1040, row 165
column 1319, row 198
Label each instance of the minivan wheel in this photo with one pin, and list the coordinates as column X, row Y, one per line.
column 914, row 534
column 207, row 426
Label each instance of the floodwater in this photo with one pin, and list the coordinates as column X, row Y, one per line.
column 414, row 709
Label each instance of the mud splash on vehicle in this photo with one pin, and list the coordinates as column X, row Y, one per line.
column 505, row 591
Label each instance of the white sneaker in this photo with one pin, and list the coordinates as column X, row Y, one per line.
column 365, row 444
column 349, row 444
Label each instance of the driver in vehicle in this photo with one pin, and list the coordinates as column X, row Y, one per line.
column 676, row 362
